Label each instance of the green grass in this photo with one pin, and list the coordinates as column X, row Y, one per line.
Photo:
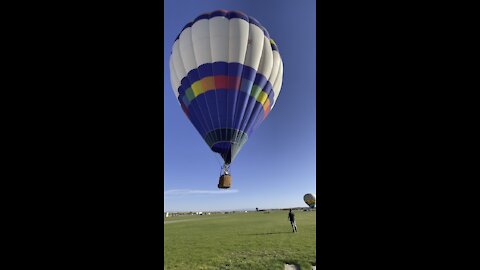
column 254, row 240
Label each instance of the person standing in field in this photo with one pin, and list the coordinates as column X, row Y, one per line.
column 291, row 217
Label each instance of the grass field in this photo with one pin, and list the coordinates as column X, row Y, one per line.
column 254, row 240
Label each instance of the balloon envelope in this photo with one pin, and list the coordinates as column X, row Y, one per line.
column 226, row 73
column 310, row 200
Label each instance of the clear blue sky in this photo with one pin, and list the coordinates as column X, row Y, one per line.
column 276, row 167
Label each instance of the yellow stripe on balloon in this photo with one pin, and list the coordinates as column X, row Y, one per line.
column 197, row 88
column 262, row 97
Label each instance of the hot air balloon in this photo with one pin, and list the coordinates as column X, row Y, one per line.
column 310, row 200
column 226, row 73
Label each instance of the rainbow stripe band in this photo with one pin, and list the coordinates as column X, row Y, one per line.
column 211, row 83
column 246, row 81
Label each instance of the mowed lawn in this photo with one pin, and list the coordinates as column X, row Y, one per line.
column 254, row 240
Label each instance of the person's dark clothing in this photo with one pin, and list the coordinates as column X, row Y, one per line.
column 291, row 217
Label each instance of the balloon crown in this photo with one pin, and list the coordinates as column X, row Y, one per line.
column 230, row 15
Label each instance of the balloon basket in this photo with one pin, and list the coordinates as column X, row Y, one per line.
column 225, row 181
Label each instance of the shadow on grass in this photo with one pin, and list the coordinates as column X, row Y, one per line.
column 268, row 233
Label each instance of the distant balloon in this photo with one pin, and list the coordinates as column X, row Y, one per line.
column 226, row 73
column 310, row 200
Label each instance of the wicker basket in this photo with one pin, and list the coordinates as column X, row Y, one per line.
column 225, row 181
